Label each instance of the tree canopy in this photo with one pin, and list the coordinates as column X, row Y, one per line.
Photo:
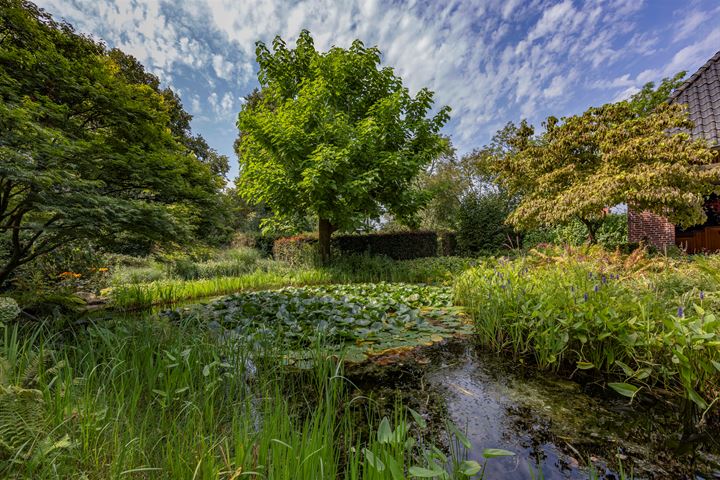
column 637, row 152
column 335, row 135
column 89, row 146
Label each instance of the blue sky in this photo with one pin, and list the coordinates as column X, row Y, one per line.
column 492, row 61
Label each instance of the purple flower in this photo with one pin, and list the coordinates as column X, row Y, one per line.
column 680, row 312
column 585, row 297
column 597, row 288
column 572, row 288
column 702, row 295
column 604, row 279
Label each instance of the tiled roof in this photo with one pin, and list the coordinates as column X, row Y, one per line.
column 701, row 92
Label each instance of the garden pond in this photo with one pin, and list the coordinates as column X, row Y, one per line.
column 408, row 343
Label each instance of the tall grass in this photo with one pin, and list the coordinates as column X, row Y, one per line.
column 150, row 400
column 138, row 296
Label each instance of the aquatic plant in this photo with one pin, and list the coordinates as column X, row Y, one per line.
column 352, row 321
column 638, row 328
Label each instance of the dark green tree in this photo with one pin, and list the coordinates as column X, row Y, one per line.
column 334, row 135
column 86, row 153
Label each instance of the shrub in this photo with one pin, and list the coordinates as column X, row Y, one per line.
column 300, row 249
column 611, row 234
column 481, row 223
column 296, row 250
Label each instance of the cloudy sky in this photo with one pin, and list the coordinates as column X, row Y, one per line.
column 492, row 61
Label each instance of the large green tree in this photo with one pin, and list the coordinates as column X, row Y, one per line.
column 335, row 135
column 637, row 152
column 86, row 153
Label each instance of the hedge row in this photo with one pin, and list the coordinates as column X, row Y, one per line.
column 399, row 246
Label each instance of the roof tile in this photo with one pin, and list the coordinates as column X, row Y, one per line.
column 701, row 92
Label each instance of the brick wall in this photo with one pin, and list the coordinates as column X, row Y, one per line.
column 650, row 228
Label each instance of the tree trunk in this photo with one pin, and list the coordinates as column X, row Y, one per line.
column 325, row 230
column 592, row 228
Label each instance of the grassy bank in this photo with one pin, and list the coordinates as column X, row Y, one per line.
column 643, row 323
column 272, row 274
column 153, row 400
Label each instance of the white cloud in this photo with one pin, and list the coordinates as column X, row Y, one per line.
column 223, row 68
column 492, row 61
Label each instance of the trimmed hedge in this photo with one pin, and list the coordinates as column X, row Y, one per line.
column 398, row 246
column 447, row 244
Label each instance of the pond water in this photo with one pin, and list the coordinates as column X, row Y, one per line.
column 554, row 426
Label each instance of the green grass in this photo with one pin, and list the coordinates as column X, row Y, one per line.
column 145, row 399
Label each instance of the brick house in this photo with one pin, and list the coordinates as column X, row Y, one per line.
column 701, row 93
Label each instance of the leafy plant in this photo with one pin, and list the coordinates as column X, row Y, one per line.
column 608, row 316
column 350, row 320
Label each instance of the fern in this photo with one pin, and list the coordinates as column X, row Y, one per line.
column 22, row 420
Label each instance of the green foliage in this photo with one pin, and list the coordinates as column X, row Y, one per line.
column 130, row 292
column 334, row 135
column 445, row 182
column 637, row 152
column 650, row 98
column 350, row 320
column 298, row 250
column 642, row 322
column 611, row 234
column 89, row 156
column 481, row 223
